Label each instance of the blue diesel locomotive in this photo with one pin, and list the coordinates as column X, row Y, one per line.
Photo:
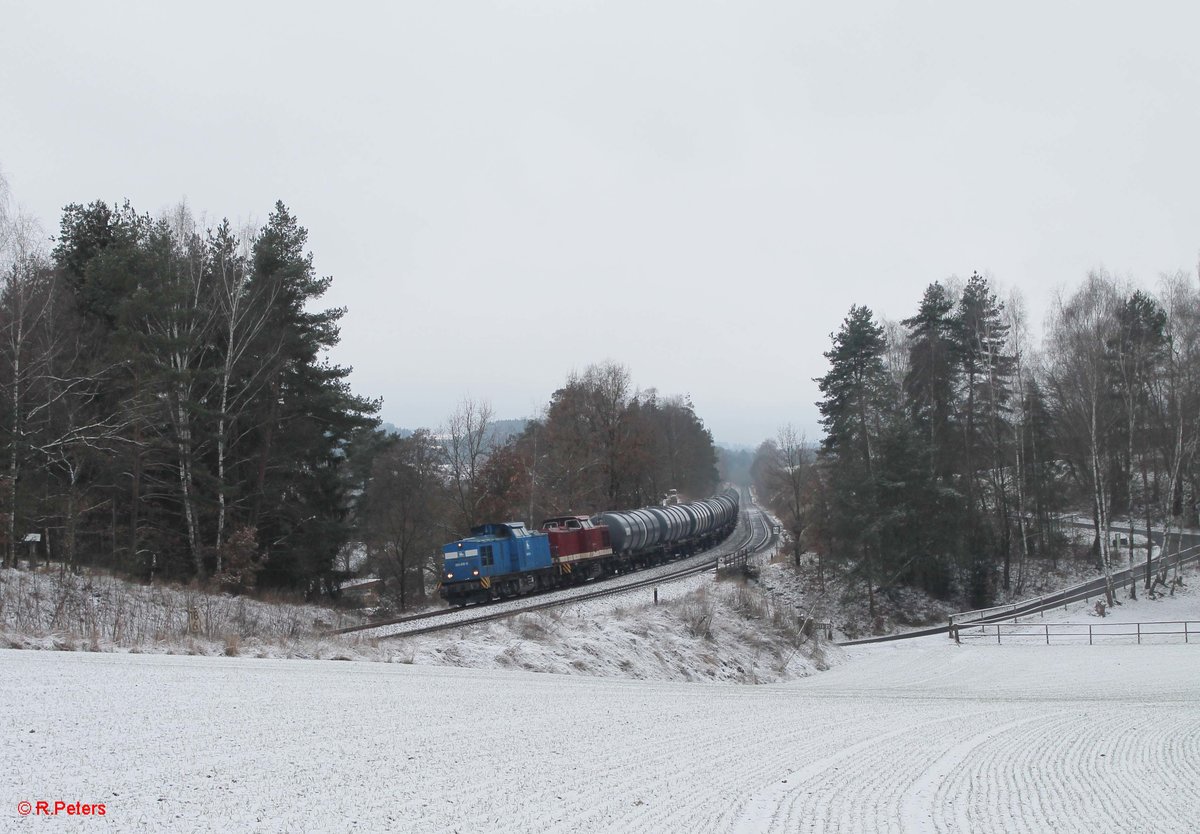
column 496, row 560
column 507, row 560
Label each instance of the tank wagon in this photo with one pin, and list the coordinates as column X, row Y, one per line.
column 507, row 560
column 680, row 529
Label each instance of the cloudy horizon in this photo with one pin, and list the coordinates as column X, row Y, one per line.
column 507, row 192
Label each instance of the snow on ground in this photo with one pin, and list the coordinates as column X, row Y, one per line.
column 97, row 612
column 916, row 737
column 1183, row 604
column 841, row 599
column 701, row 630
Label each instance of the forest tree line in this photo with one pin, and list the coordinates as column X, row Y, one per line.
column 167, row 410
column 167, row 407
column 952, row 442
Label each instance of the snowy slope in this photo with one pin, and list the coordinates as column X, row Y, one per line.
column 923, row 736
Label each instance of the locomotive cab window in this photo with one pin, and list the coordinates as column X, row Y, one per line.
column 485, row 554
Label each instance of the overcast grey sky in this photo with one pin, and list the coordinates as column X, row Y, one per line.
column 504, row 192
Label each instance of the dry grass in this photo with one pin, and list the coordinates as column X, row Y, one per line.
column 97, row 612
column 696, row 611
column 531, row 627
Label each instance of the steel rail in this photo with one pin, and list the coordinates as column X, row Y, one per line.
column 589, row 595
column 541, row 606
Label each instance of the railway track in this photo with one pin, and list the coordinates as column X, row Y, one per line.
column 599, row 593
column 752, row 535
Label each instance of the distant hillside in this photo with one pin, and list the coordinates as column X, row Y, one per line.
column 736, row 447
column 391, row 429
column 505, row 430
column 501, row 430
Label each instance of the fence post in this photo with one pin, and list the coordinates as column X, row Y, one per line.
column 1139, row 627
column 656, row 596
column 1089, row 634
column 997, row 634
column 1047, row 625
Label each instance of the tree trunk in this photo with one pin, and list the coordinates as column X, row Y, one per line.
column 184, row 448
column 1149, row 536
column 13, row 459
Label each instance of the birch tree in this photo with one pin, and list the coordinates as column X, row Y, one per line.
column 1136, row 351
column 242, row 312
column 175, row 318
column 25, row 304
column 1179, row 398
column 1080, row 330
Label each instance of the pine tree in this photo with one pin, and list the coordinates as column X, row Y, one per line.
column 930, row 384
column 308, row 416
column 987, row 369
column 851, row 413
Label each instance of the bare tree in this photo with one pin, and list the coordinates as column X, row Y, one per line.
column 1081, row 329
column 791, row 469
column 896, row 357
column 1018, row 334
column 466, row 444
column 25, row 299
column 400, row 515
column 1136, row 351
column 609, row 391
column 49, row 385
column 1179, row 399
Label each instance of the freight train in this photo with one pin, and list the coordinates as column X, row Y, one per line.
column 506, row 559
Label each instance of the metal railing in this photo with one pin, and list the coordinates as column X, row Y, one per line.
column 1075, row 593
column 736, row 559
column 1076, row 633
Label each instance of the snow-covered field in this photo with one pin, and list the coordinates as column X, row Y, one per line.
column 916, row 736
column 919, row 736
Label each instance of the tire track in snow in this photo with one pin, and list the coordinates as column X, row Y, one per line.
column 812, row 798
column 1075, row 771
column 923, row 799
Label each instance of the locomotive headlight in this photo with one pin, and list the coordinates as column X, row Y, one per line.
column 475, row 572
column 449, row 576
